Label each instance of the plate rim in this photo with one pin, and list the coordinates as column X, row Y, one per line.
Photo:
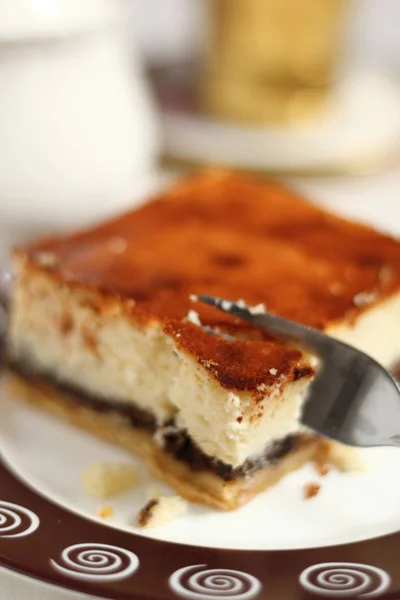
column 254, row 569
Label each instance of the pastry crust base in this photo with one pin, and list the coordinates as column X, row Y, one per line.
column 198, row 486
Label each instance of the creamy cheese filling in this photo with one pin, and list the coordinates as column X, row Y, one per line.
column 105, row 354
column 230, row 426
column 376, row 332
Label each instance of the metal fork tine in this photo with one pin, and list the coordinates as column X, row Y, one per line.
column 352, row 399
column 289, row 330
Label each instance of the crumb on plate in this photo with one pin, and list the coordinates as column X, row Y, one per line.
column 103, row 480
column 322, row 469
column 345, row 458
column 311, row 490
column 161, row 510
column 104, row 512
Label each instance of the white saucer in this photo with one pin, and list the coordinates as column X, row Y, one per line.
column 358, row 131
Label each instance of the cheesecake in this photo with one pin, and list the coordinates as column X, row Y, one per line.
column 107, row 333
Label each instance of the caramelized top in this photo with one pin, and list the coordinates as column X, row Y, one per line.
column 239, row 364
column 228, row 235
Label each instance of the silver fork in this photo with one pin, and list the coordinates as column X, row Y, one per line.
column 352, row 399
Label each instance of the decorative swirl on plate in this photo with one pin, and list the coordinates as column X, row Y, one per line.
column 16, row 521
column 97, row 561
column 350, row 579
column 196, row 582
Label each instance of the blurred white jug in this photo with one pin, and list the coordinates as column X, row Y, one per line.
column 77, row 124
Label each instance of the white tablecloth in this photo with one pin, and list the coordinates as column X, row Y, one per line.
column 15, row 587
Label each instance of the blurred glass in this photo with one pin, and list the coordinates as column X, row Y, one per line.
column 271, row 60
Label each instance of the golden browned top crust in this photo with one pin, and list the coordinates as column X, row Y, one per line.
column 228, row 235
column 243, row 365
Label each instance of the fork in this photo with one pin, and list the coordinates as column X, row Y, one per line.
column 352, row 399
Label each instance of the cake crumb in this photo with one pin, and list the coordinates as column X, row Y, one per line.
column 104, row 480
column 226, row 305
column 104, row 512
column 364, row 298
column 386, row 274
column 241, row 303
column 273, row 371
column 160, row 434
column 193, row 297
column 46, row 259
column 193, row 317
column 336, row 288
column 311, row 490
column 259, row 309
column 322, row 469
column 345, row 458
column 117, row 245
column 161, row 510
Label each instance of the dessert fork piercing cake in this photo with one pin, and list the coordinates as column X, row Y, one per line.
column 105, row 334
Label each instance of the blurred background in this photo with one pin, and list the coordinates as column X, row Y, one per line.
column 101, row 100
column 170, row 30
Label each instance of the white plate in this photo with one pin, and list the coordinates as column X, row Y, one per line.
column 50, row 456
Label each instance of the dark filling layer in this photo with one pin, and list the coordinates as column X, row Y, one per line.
column 176, row 442
column 182, row 447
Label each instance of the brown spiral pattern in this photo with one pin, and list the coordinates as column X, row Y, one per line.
column 345, row 579
column 16, row 520
column 198, row 582
column 96, row 561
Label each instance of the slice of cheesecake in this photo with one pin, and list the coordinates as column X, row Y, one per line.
column 104, row 331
